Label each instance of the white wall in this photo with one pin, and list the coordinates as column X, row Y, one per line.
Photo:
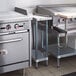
column 6, row 5
column 22, row 3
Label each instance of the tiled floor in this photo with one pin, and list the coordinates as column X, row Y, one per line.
column 68, row 65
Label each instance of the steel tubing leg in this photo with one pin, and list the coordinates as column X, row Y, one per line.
column 58, row 41
column 66, row 37
column 66, row 40
column 24, row 72
column 34, row 36
column 36, row 64
column 46, row 38
column 58, row 62
column 46, row 62
column 46, row 41
column 36, row 42
column 42, row 39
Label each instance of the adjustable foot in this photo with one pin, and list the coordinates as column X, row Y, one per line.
column 58, row 62
column 46, row 62
column 24, row 73
column 36, row 64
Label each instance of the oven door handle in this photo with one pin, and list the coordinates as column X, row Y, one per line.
column 15, row 32
column 22, row 31
column 11, row 40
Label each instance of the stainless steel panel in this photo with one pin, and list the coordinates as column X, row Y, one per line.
column 61, row 52
column 24, row 24
column 14, row 48
column 9, row 68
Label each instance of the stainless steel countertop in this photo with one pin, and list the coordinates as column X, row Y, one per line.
column 63, row 11
column 12, row 16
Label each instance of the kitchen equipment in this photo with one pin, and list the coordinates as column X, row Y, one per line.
column 40, row 51
column 15, row 41
column 64, row 23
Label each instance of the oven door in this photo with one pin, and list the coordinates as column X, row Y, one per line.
column 14, row 48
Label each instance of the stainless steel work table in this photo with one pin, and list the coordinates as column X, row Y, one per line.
column 66, row 13
column 40, row 52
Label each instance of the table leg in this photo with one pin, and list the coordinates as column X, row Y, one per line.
column 36, row 64
column 46, row 38
column 36, row 38
column 58, row 62
column 47, row 41
column 34, row 35
column 24, row 72
column 58, row 41
column 66, row 36
column 46, row 62
column 42, row 39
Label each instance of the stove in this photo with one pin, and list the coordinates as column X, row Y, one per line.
column 15, row 41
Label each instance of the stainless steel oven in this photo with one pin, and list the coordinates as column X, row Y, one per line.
column 15, row 49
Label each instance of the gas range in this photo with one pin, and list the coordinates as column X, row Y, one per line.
column 11, row 21
column 15, row 41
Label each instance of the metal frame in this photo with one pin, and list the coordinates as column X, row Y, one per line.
column 39, row 56
column 66, row 41
column 67, row 50
column 57, row 51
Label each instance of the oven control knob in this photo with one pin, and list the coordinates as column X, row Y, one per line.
column 16, row 26
column 8, row 27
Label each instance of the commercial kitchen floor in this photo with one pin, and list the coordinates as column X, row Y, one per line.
column 68, row 65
